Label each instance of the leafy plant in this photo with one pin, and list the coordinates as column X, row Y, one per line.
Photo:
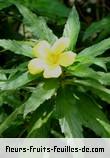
column 66, row 105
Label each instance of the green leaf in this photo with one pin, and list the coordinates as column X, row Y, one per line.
column 104, row 78
column 96, row 88
column 104, row 124
column 77, row 110
column 18, row 47
column 37, row 25
column 53, row 9
column 97, row 27
column 67, row 113
column 2, row 76
column 10, row 97
column 17, row 82
column 72, row 28
column 4, row 4
column 105, row 59
column 2, row 116
column 90, row 112
column 100, row 62
column 8, row 121
column 83, row 71
column 94, row 50
column 43, row 92
column 39, row 127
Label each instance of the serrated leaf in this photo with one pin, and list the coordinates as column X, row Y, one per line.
column 105, row 59
column 97, row 27
column 79, row 111
column 2, row 116
column 43, row 92
column 68, row 115
column 83, row 71
column 104, row 124
column 104, row 78
column 53, row 10
column 17, row 82
column 37, row 25
column 72, row 28
column 9, row 97
column 39, row 126
column 90, row 112
column 94, row 50
column 56, row 9
column 99, row 62
column 96, row 87
column 8, row 121
column 18, row 47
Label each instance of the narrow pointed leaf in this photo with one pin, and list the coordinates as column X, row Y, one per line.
column 18, row 47
column 97, row 27
column 39, row 125
column 104, row 78
column 105, row 125
column 17, row 82
column 90, row 112
column 43, row 92
column 68, row 115
column 72, row 28
column 9, row 120
column 37, row 25
column 94, row 50
column 97, row 88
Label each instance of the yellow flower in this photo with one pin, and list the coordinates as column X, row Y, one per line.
column 49, row 59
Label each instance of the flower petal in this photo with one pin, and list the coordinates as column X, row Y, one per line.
column 67, row 58
column 60, row 45
column 36, row 66
column 52, row 72
column 41, row 49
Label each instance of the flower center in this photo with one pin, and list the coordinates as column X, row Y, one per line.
column 53, row 59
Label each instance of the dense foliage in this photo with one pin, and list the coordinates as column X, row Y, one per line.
column 76, row 104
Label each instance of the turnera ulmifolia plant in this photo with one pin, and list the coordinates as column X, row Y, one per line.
column 71, row 105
